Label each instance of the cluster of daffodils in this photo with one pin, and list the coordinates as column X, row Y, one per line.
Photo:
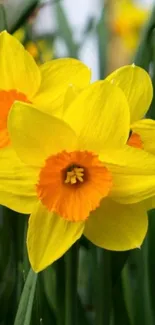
column 78, row 157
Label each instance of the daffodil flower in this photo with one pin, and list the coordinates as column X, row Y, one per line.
column 80, row 164
column 22, row 80
column 128, row 20
column 137, row 86
column 45, row 86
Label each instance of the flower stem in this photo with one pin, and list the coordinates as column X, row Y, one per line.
column 103, row 290
column 60, row 290
column 71, row 259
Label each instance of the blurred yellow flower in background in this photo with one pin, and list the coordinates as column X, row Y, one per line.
column 40, row 49
column 128, row 21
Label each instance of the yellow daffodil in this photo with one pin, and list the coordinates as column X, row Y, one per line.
column 128, row 20
column 78, row 166
column 139, row 96
column 22, row 80
column 136, row 85
column 40, row 50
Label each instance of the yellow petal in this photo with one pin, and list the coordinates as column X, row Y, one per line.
column 116, row 226
column 146, row 129
column 137, row 86
column 17, row 182
column 129, row 159
column 18, row 69
column 49, row 237
column 133, row 174
column 71, row 93
column 57, row 75
column 99, row 116
column 36, row 135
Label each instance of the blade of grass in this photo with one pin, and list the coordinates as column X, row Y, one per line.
column 103, row 288
column 65, row 31
column 71, row 261
column 140, row 287
column 17, row 11
column 23, row 316
column 143, row 55
column 120, row 312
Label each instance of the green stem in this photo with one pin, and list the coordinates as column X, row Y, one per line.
column 120, row 312
column 71, row 259
column 23, row 316
column 143, row 310
column 103, row 292
column 60, row 290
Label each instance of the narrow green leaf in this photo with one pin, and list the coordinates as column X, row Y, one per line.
column 71, row 261
column 3, row 23
column 120, row 312
column 42, row 312
column 60, row 291
column 65, row 31
column 17, row 11
column 23, row 316
column 118, row 260
column 151, row 262
column 49, row 282
column 103, row 287
column 151, row 112
column 140, row 286
column 7, row 265
column 102, row 37
column 128, row 292
column 144, row 52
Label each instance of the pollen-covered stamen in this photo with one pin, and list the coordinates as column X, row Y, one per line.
column 74, row 174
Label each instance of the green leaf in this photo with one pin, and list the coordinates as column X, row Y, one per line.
column 143, row 55
column 42, row 312
column 103, row 287
column 151, row 112
column 23, row 316
column 3, row 23
column 65, row 31
column 17, row 11
column 102, row 37
column 120, row 312
column 118, row 260
column 151, row 262
column 7, row 265
column 138, row 267
column 71, row 272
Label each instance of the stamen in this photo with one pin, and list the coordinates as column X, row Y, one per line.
column 74, row 174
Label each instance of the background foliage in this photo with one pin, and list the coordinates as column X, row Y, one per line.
column 89, row 285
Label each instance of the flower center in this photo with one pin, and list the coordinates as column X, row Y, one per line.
column 7, row 98
column 74, row 174
column 72, row 184
column 134, row 140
